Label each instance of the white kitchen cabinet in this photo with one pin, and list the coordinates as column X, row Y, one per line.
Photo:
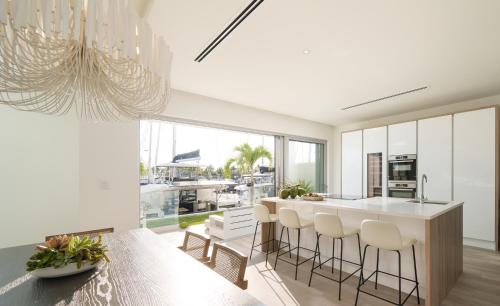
column 434, row 157
column 375, row 141
column 352, row 163
column 403, row 138
column 474, row 174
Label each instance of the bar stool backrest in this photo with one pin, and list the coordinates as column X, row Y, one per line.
column 262, row 213
column 380, row 234
column 328, row 224
column 289, row 217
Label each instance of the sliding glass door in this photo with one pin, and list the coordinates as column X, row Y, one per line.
column 189, row 171
column 305, row 164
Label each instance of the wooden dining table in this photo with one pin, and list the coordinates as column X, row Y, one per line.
column 144, row 270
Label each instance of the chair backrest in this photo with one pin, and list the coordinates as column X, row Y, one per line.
column 262, row 213
column 91, row 233
column 289, row 217
column 196, row 245
column 328, row 224
column 229, row 263
column 380, row 234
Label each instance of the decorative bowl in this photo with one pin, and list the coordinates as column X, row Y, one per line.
column 69, row 269
column 313, row 198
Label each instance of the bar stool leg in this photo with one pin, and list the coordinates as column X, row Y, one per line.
column 268, row 241
column 415, row 267
column 341, row 259
column 360, row 259
column 359, row 282
column 399, row 276
column 253, row 242
column 297, row 260
column 314, row 258
column 289, row 245
column 319, row 252
column 279, row 245
column 333, row 255
column 274, row 233
column 376, row 271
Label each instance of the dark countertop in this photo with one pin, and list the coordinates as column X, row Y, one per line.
column 144, row 270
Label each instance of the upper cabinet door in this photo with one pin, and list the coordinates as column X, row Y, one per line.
column 352, row 163
column 434, row 157
column 375, row 157
column 403, row 138
column 474, row 161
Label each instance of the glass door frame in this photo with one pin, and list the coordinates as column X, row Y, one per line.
column 286, row 140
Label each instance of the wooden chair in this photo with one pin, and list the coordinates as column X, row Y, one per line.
column 196, row 245
column 91, row 233
column 229, row 263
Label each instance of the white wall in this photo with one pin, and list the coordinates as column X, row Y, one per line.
column 39, row 176
column 435, row 111
column 109, row 175
column 59, row 174
column 192, row 107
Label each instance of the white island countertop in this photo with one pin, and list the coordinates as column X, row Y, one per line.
column 381, row 206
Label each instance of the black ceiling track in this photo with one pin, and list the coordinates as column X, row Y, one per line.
column 387, row 97
column 230, row 28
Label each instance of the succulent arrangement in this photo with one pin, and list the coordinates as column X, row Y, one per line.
column 63, row 250
column 291, row 191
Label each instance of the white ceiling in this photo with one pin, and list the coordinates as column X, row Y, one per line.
column 360, row 50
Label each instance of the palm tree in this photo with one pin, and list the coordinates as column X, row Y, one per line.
column 246, row 159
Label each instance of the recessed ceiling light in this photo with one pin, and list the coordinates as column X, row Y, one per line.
column 306, row 51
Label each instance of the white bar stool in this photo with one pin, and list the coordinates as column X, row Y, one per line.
column 290, row 219
column 331, row 226
column 386, row 236
column 263, row 216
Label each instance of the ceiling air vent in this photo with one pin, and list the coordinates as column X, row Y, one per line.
column 386, row 97
column 230, row 28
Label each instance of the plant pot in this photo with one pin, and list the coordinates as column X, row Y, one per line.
column 70, row 269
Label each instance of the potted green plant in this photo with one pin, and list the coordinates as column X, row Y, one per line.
column 66, row 255
column 291, row 190
column 295, row 190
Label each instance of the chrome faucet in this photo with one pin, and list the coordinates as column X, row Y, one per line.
column 422, row 194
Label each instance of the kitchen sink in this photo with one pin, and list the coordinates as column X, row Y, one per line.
column 429, row 202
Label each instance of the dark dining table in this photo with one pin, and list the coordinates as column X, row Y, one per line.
column 144, row 270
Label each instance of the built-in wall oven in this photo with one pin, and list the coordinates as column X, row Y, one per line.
column 402, row 189
column 402, row 176
column 402, row 167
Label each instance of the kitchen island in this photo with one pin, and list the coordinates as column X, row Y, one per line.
column 437, row 228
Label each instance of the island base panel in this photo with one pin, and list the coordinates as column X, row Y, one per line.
column 444, row 254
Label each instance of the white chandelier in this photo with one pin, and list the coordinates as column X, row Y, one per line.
column 96, row 56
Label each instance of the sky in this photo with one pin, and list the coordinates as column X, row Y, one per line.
column 215, row 145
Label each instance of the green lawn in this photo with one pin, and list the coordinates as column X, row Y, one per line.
column 189, row 219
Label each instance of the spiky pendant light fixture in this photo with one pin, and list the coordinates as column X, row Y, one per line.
column 96, row 56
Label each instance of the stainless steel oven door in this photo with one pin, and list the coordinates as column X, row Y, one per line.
column 408, row 193
column 402, row 169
